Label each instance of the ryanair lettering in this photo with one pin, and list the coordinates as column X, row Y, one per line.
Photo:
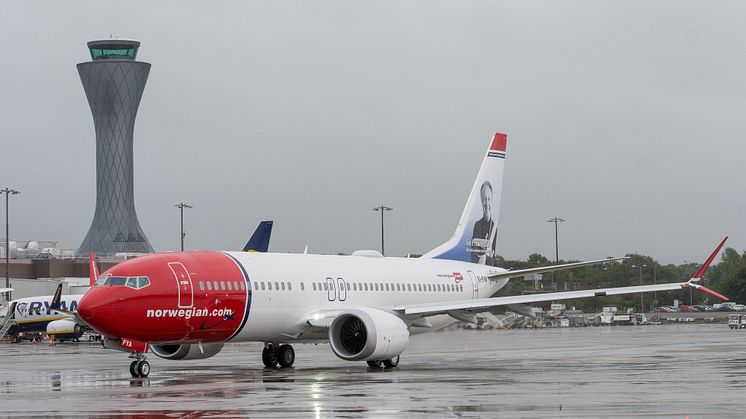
column 38, row 308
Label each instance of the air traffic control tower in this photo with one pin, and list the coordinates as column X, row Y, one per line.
column 113, row 83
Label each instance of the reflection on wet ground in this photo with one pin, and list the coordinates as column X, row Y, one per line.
column 623, row 371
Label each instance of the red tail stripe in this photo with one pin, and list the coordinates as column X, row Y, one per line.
column 499, row 142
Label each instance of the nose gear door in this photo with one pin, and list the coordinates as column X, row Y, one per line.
column 183, row 284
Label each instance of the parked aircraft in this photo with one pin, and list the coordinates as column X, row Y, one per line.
column 188, row 305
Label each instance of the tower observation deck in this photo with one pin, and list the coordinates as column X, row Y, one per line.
column 114, row 83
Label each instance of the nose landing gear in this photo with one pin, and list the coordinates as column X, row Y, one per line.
column 274, row 354
column 139, row 368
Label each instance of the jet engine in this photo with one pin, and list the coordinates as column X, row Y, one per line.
column 367, row 334
column 64, row 329
column 185, row 351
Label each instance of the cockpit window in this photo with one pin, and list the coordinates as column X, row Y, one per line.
column 116, row 281
column 134, row 282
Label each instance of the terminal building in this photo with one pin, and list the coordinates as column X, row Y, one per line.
column 114, row 83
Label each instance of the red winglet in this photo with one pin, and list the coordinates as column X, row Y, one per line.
column 701, row 271
column 711, row 292
column 92, row 269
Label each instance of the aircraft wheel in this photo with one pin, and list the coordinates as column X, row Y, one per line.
column 375, row 364
column 286, row 356
column 391, row 363
column 269, row 358
column 143, row 368
column 133, row 369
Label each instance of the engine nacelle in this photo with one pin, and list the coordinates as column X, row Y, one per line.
column 367, row 334
column 64, row 329
column 186, row 351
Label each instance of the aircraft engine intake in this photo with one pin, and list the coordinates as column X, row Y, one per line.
column 186, row 351
column 64, row 329
column 367, row 334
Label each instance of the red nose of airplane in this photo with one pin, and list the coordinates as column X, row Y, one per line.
column 96, row 309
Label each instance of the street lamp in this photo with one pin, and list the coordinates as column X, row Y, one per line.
column 181, row 207
column 555, row 220
column 383, row 209
column 7, row 191
column 642, row 307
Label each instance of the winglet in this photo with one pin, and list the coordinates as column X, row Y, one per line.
column 259, row 241
column 56, row 300
column 92, row 269
column 702, row 269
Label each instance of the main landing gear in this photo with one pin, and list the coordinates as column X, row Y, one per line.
column 139, row 368
column 274, row 355
column 386, row 363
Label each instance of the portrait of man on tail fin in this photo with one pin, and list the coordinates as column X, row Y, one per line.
column 483, row 241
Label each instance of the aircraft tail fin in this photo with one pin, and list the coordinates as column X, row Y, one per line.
column 56, row 299
column 259, row 241
column 92, row 269
column 475, row 237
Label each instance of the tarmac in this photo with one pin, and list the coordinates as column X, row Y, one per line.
column 694, row 370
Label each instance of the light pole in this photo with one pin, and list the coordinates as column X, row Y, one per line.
column 642, row 307
column 7, row 191
column 383, row 209
column 181, row 207
column 555, row 220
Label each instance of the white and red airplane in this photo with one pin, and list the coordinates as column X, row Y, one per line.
column 187, row 305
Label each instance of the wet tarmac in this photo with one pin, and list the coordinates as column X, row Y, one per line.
column 648, row 371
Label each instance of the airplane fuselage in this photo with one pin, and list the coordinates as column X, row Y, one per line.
column 206, row 296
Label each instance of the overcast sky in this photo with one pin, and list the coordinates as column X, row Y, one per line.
column 627, row 119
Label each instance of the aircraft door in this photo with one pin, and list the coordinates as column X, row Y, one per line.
column 331, row 294
column 474, row 285
column 342, row 287
column 183, row 284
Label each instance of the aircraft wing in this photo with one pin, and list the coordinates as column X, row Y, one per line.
column 542, row 269
column 486, row 304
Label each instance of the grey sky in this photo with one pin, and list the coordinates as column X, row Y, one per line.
column 625, row 118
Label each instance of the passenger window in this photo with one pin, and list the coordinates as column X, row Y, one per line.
column 325, row 287
column 366, row 286
column 201, row 286
column 348, row 286
column 376, row 286
column 283, row 285
column 302, row 286
column 290, row 286
column 243, row 285
column 409, row 287
column 235, row 285
column 222, row 285
column 215, row 284
column 230, row 287
column 262, row 286
column 314, row 286
column 387, row 287
column 209, row 286
column 277, row 286
column 256, row 286
column 429, row 287
column 269, row 286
